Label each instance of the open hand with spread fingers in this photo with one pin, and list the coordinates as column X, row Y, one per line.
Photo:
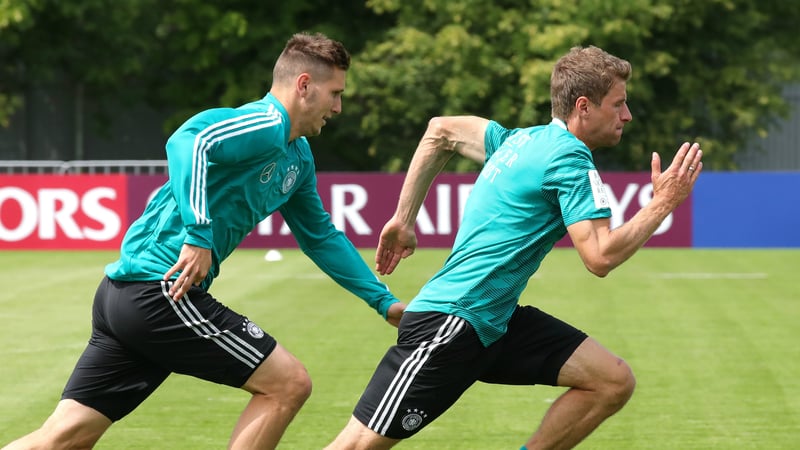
column 677, row 181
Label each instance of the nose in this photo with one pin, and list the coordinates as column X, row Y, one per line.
column 625, row 114
column 337, row 105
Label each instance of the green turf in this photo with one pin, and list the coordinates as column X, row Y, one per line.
column 712, row 336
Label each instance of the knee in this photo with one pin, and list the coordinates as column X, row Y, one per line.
column 292, row 387
column 299, row 389
column 619, row 385
column 54, row 437
column 71, row 426
column 281, row 378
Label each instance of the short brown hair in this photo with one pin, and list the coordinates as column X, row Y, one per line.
column 313, row 53
column 584, row 71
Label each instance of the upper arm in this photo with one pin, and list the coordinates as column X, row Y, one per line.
column 464, row 135
column 587, row 236
column 580, row 193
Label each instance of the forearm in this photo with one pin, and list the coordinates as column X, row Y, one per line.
column 444, row 137
column 628, row 238
column 341, row 261
column 428, row 161
column 603, row 249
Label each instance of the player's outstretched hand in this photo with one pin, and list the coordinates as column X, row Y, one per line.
column 395, row 313
column 193, row 264
column 677, row 181
column 397, row 241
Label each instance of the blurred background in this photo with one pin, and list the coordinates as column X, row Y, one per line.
column 111, row 79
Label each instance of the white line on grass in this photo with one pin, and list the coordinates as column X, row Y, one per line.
column 712, row 276
column 285, row 276
column 48, row 349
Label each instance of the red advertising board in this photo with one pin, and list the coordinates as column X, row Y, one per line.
column 93, row 211
column 360, row 204
column 62, row 212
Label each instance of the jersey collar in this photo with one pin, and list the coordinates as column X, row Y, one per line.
column 559, row 123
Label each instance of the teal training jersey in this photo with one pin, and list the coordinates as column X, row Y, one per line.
column 229, row 169
column 535, row 183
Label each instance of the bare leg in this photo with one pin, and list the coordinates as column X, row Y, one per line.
column 280, row 386
column 600, row 385
column 71, row 426
column 356, row 436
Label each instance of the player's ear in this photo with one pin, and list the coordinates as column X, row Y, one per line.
column 582, row 105
column 301, row 84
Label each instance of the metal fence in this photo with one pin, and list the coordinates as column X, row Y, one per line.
column 780, row 151
column 104, row 167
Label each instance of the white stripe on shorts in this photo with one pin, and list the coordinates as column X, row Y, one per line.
column 230, row 342
column 390, row 402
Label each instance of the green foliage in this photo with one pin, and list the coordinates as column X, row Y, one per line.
column 707, row 70
column 181, row 55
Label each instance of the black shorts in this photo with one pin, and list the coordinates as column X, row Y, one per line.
column 140, row 335
column 439, row 356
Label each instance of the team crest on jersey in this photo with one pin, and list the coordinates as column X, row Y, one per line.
column 252, row 329
column 413, row 419
column 290, row 179
column 266, row 173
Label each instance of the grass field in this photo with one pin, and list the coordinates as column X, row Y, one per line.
column 712, row 335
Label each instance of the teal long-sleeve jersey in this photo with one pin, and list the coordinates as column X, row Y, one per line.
column 229, row 169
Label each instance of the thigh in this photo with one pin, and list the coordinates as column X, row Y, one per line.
column 140, row 335
column 533, row 350
column 110, row 380
column 109, row 377
column 437, row 357
column 196, row 335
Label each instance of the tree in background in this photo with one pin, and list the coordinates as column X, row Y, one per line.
column 711, row 70
column 179, row 56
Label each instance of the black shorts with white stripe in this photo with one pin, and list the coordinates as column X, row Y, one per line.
column 438, row 356
column 140, row 335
